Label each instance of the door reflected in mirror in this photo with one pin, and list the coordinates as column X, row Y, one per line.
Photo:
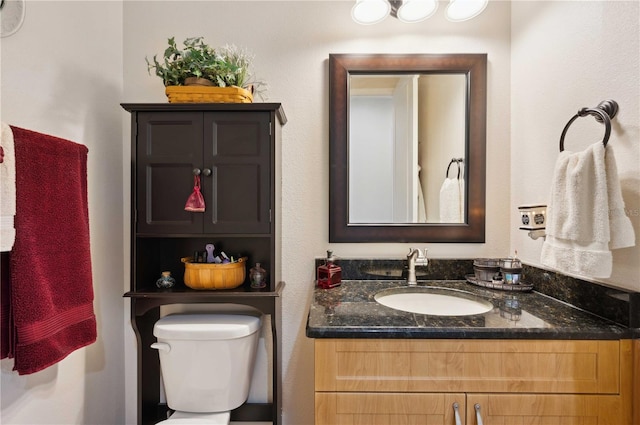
column 404, row 132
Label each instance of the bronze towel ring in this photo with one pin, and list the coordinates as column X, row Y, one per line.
column 457, row 161
column 605, row 110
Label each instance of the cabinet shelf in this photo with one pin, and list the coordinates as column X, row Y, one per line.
column 208, row 107
column 265, row 301
column 180, row 292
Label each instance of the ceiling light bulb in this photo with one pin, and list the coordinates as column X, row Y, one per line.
column 367, row 12
column 416, row 10
column 462, row 10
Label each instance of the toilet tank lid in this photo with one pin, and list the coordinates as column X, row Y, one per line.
column 206, row 326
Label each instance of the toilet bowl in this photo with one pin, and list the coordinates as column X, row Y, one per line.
column 206, row 362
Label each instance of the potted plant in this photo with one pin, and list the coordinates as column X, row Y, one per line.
column 200, row 73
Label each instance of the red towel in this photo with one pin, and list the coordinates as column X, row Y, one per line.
column 51, row 288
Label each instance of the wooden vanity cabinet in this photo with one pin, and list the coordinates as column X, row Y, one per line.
column 636, row 380
column 387, row 382
column 234, row 150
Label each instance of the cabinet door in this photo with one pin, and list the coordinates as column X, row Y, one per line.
column 388, row 408
column 169, row 147
column 237, row 149
column 544, row 409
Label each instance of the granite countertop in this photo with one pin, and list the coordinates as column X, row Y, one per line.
column 350, row 311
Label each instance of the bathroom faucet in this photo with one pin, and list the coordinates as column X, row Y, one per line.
column 415, row 256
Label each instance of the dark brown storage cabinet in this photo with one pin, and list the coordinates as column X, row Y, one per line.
column 233, row 148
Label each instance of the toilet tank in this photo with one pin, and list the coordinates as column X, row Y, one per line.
column 206, row 359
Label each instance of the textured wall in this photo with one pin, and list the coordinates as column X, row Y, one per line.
column 62, row 75
column 565, row 56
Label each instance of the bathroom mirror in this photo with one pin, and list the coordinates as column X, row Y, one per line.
column 407, row 147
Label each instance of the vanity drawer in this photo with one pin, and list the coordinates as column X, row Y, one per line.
column 561, row 409
column 387, row 408
column 501, row 366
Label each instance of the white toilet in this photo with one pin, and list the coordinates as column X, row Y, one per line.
column 206, row 362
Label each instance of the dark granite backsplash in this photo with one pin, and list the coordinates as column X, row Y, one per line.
column 377, row 269
column 618, row 305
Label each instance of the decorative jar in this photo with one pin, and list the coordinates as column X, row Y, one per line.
column 258, row 276
column 165, row 281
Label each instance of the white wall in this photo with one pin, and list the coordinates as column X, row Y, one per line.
column 442, row 138
column 62, row 75
column 565, row 56
column 292, row 41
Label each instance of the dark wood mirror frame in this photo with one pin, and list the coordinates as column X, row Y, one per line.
column 340, row 67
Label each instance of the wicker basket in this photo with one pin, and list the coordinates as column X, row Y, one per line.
column 214, row 276
column 205, row 94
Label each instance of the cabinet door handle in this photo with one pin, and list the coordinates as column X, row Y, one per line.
column 478, row 415
column 206, row 172
column 456, row 413
column 196, row 171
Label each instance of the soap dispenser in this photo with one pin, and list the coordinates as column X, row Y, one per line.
column 329, row 274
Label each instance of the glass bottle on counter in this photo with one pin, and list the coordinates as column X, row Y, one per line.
column 329, row 274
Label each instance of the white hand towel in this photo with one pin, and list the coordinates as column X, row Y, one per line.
column 450, row 201
column 585, row 214
column 422, row 210
column 7, row 189
column 620, row 226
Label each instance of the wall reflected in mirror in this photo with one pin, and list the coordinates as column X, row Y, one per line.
column 407, row 137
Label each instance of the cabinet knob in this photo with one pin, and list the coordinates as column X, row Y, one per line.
column 196, row 171
column 206, row 172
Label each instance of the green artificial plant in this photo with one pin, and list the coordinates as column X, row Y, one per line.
column 224, row 67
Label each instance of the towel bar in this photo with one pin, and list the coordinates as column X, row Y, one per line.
column 603, row 113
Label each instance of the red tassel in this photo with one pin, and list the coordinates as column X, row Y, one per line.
column 195, row 202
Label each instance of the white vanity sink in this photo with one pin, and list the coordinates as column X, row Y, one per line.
column 434, row 301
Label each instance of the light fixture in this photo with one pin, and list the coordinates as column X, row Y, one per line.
column 462, row 10
column 411, row 11
column 367, row 12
